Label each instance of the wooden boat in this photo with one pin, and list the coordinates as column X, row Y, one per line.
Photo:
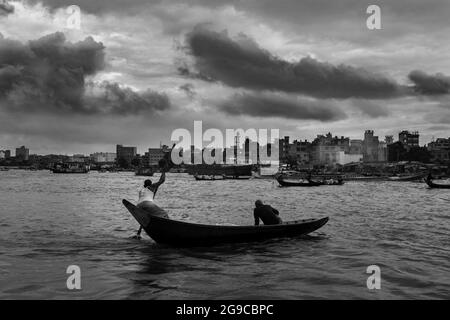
column 71, row 167
column 310, row 183
column 217, row 169
column 433, row 185
column 178, row 233
column 408, row 177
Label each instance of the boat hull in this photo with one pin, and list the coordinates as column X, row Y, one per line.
column 285, row 183
column 178, row 233
column 408, row 178
column 70, row 171
column 433, row 185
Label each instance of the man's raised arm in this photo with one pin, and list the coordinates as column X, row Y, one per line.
column 161, row 179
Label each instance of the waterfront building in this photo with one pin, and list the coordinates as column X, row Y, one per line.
column 382, row 151
column 440, row 150
column 299, row 152
column 284, row 150
column 22, row 153
column 78, row 158
column 154, row 155
column 409, row 139
column 329, row 150
column 103, row 157
column 370, row 147
column 125, row 154
column 356, row 146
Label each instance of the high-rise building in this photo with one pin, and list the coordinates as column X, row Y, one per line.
column 125, row 153
column 284, row 149
column 409, row 139
column 370, row 147
column 154, row 155
column 22, row 153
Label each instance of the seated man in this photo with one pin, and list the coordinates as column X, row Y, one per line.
column 266, row 213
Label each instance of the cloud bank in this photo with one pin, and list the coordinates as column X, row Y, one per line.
column 242, row 63
column 267, row 104
column 430, row 84
column 50, row 75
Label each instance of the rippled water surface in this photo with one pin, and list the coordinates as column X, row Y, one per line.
column 48, row 222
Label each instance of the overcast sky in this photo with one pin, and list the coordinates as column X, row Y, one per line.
column 138, row 69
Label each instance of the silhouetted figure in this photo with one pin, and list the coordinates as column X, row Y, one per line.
column 266, row 213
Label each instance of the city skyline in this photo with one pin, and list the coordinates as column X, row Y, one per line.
column 142, row 150
column 254, row 65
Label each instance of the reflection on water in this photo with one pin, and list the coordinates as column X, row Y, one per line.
column 49, row 222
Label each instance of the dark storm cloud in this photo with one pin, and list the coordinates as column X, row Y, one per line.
column 111, row 98
column 49, row 75
column 242, row 63
column 267, row 104
column 6, row 8
column 430, row 84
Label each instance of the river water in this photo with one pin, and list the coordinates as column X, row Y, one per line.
column 50, row 221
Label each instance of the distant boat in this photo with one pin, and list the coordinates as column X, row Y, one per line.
column 408, row 177
column 291, row 183
column 4, row 169
column 145, row 172
column 71, row 167
column 433, row 185
column 221, row 169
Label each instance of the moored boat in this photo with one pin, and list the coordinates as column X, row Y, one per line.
column 413, row 177
column 71, row 167
column 288, row 183
column 433, row 185
column 178, row 233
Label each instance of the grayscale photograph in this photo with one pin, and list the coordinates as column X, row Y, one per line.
column 240, row 151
